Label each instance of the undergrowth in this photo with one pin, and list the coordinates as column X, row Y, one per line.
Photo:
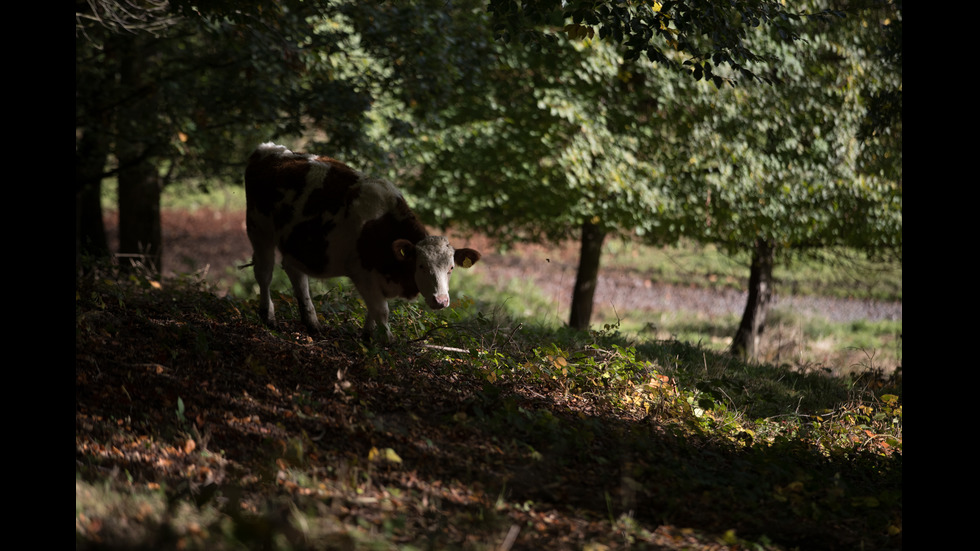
column 475, row 425
column 700, row 387
column 637, row 375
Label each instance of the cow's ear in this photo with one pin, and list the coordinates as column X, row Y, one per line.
column 403, row 248
column 466, row 257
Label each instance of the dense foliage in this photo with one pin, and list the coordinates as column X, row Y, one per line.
column 187, row 89
column 551, row 142
column 578, row 135
column 580, row 131
column 786, row 163
column 707, row 33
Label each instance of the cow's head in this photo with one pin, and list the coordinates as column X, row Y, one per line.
column 434, row 260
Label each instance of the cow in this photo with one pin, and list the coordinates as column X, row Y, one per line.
column 329, row 220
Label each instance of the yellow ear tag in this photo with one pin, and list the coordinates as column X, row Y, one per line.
column 467, row 263
column 402, row 252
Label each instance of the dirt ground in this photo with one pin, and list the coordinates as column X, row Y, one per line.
column 213, row 241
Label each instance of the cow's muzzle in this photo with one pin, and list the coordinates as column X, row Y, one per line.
column 437, row 302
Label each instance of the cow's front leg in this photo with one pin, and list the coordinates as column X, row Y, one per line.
column 301, row 290
column 377, row 312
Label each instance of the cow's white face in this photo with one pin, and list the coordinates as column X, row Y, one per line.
column 435, row 259
column 433, row 265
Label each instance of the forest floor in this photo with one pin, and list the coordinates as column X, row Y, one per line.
column 198, row 428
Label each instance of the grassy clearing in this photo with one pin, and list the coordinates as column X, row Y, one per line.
column 834, row 273
column 792, row 340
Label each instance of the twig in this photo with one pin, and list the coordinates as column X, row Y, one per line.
column 511, row 537
column 447, row 348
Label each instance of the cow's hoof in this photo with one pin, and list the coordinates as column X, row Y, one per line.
column 376, row 338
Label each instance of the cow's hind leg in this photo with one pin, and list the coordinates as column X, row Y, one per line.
column 301, row 290
column 263, row 264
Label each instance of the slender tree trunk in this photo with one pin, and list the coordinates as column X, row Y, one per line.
column 745, row 344
column 90, row 159
column 587, row 276
column 140, row 184
column 140, row 233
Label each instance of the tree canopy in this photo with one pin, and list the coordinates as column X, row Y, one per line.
column 550, row 142
column 709, row 34
column 578, row 133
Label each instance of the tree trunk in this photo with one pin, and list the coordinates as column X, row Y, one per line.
column 587, row 276
column 745, row 344
column 140, row 233
column 140, row 183
column 90, row 159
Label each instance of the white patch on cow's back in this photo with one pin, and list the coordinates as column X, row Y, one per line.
column 270, row 148
column 316, row 176
column 376, row 198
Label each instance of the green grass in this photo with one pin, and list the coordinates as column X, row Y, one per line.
column 799, row 342
column 834, row 273
column 792, row 340
column 794, row 344
column 185, row 196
